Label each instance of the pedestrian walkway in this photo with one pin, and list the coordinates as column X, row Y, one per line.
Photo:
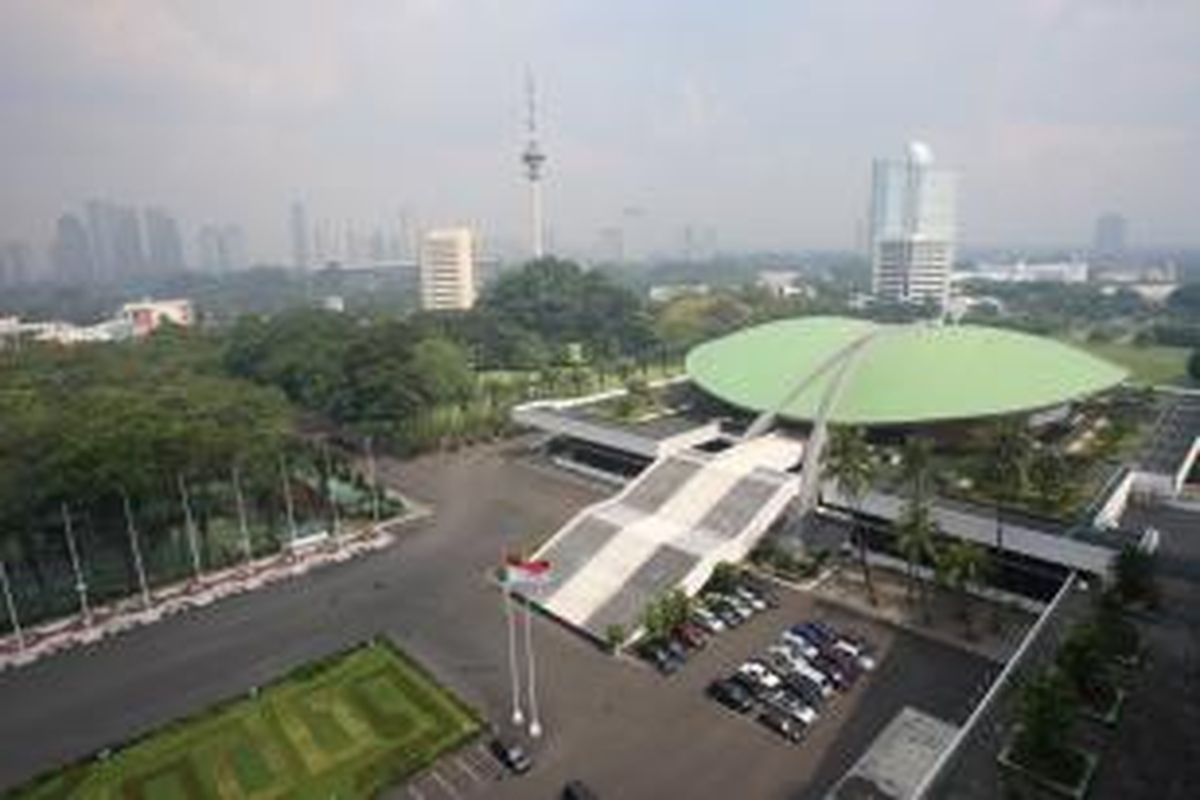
column 114, row 618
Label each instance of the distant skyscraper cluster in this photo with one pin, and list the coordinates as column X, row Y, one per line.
column 111, row 241
column 1108, row 241
column 912, row 228
column 327, row 242
column 221, row 248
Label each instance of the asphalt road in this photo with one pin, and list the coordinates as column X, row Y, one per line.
column 612, row 722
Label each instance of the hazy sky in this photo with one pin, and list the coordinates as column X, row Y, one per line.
column 758, row 118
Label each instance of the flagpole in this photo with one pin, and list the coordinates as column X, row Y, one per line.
column 535, row 725
column 12, row 607
column 374, row 481
column 80, row 585
column 337, row 526
column 510, row 622
column 137, row 550
column 247, row 547
column 291, row 511
column 189, row 525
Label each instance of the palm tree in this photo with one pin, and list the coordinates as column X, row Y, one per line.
column 916, row 461
column 1012, row 449
column 966, row 563
column 850, row 465
column 915, row 535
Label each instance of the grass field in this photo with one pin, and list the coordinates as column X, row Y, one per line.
column 1154, row 364
column 340, row 728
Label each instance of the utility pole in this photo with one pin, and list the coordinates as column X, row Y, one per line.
column 80, row 584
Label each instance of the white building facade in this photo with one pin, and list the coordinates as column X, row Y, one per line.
column 912, row 228
column 447, row 269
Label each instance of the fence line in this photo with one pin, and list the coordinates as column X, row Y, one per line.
column 991, row 698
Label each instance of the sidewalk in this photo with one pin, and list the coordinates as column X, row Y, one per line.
column 130, row 612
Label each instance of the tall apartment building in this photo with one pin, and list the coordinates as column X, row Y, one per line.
column 164, row 244
column 447, row 269
column 912, row 228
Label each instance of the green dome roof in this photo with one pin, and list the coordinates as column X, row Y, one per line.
column 901, row 374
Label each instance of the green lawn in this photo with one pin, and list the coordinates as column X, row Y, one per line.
column 341, row 728
column 1156, row 364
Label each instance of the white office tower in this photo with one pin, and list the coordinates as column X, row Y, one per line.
column 912, row 228
column 448, row 261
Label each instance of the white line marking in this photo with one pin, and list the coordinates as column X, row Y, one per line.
column 470, row 772
column 445, row 784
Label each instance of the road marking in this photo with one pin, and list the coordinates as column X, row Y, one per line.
column 470, row 772
column 483, row 761
column 445, row 784
column 415, row 793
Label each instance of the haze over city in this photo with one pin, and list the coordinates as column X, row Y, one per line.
column 758, row 125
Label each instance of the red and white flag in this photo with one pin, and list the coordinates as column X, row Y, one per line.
column 522, row 572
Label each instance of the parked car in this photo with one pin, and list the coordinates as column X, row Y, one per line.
column 578, row 790
column 707, row 620
column 782, row 724
column 511, row 755
column 806, row 689
column 739, row 605
column 731, row 694
column 692, row 635
column 677, row 649
column 724, row 611
column 856, row 650
column 835, row 671
column 749, row 596
column 763, row 589
column 662, row 659
column 789, row 703
column 798, row 664
column 761, row 674
column 844, row 662
column 801, row 643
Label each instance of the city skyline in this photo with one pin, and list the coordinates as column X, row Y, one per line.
column 366, row 109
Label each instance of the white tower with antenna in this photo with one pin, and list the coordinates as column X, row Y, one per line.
column 533, row 158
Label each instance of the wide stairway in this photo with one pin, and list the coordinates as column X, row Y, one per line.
column 667, row 528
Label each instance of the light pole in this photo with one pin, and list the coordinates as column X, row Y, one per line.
column 374, row 481
column 291, row 510
column 518, row 718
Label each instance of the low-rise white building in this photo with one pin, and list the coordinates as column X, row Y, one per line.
column 147, row 316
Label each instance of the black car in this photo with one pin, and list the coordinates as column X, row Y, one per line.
column 804, row 688
column 726, row 614
column 731, row 694
column 511, row 755
column 578, row 790
column 782, row 724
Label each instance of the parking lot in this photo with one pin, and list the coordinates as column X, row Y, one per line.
column 630, row 732
column 612, row 722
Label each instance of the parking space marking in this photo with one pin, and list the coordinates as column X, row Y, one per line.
column 470, row 772
column 485, row 762
column 445, row 784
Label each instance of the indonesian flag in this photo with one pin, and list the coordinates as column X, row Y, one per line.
column 520, row 572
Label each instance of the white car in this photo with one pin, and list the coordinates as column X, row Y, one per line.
column 802, row 666
column 707, row 620
column 760, row 674
column 794, row 706
column 750, row 597
column 806, row 647
column 857, row 652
